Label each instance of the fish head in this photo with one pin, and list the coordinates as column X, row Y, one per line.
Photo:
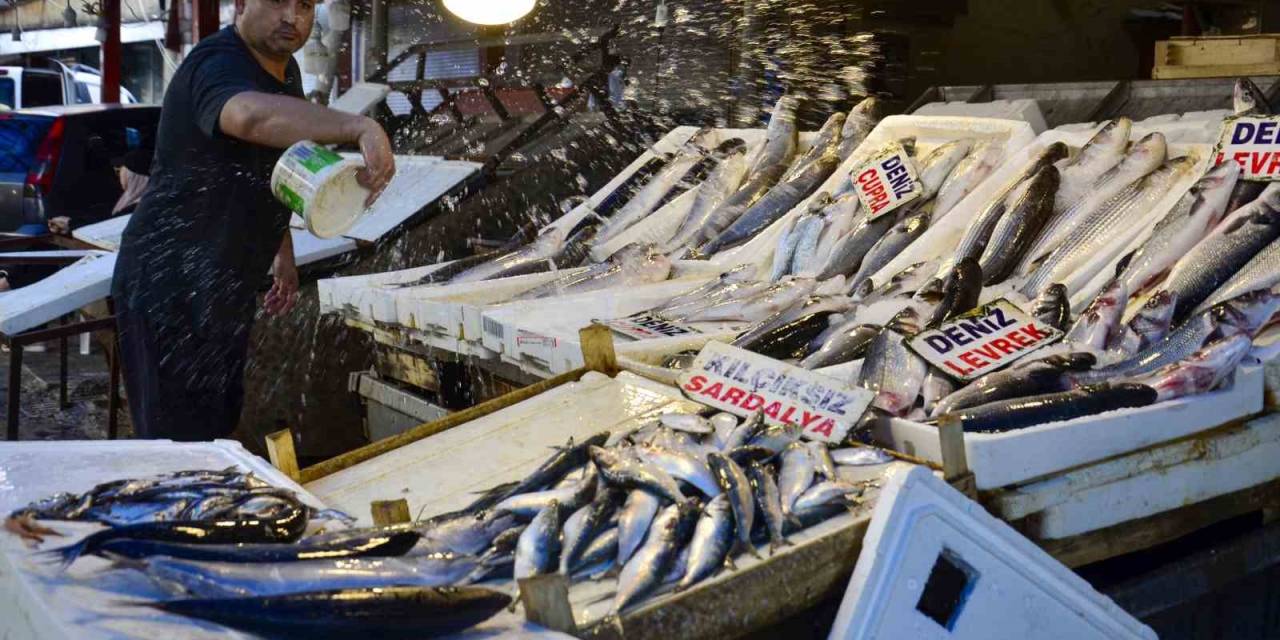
column 1149, row 151
column 1111, row 138
column 906, row 322
column 1053, row 153
column 1247, row 99
column 1247, row 312
column 605, row 458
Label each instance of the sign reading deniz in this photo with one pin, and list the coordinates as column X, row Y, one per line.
column 1253, row 142
column 983, row 340
column 742, row 383
column 887, row 182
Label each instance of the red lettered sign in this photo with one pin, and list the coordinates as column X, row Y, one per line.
column 887, row 182
column 742, row 383
column 643, row 326
column 983, row 340
column 1254, row 142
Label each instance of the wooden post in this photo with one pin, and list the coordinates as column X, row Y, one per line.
column 280, row 452
column 597, row 349
column 389, row 512
column 955, row 463
column 546, row 602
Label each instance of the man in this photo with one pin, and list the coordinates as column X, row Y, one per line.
column 199, row 246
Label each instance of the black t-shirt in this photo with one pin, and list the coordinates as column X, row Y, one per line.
column 200, row 244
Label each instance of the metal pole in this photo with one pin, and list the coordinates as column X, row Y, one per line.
column 62, row 368
column 113, row 397
column 15, row 387
column 206, row 18
column 111, row 52
column 378, row 48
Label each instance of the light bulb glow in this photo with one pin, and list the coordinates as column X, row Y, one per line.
column 489, row 11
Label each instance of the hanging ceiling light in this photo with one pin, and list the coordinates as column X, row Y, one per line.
column 490, row 11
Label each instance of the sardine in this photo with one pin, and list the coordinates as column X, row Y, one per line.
column 1023, row 219
column 724, row 424
column 713, row 537
column 648, row 568
column 826, row 493
column 769, row 501
column 681, row 466
column 570, row 498
column 687, row 422
column 633, row 522
column 823, row 464
column 733, row 480
column 633, row 474
column 538, row 551
column 860, row 456
column 775, row 437
column 585, row 525
column 795, row 475
column 383, row 612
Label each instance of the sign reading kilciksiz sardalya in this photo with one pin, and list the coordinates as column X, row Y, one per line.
column 1253, row 142
column 742, row 383
column 983, row 340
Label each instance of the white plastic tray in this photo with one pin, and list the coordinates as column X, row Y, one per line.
column 1003, row 459
column 75, row 285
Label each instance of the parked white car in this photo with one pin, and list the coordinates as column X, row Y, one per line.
column 26, row 87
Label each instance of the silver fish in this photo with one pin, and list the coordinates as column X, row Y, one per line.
column 633, row 474
column 775, row 437
column 758, row 307
column 1201, row 371
column 724, row 424
column 1087, row 242
column 841, row 215
column 966, row 176
column 1212, row 262
column 647, row 569
column 464, row 533
column 648, row 197
column 903, row 283
column 770, row 502
column 824, row 141
column 739, row 435
column 1248, row 100
column 722, row 296
column 633, row 522
column 848, row 252
column 937, row 386
column 1261, row 272
column 713, row 538
column 736, row 485
column 570, row 497
column 585, row 525
column 681, row 466
column 1052, row 307
column 847, row 342
column 240, row 579
column 1023, row 219
column 935, row 167
column 826, row 493
column 808, row 234
column 1199, row 210
column 823, row 464
column 628, row 270
column 1102, row 152
column 687, row 422
column 1101, row 319
column 860, row 121
column 898, row 238
column 781, row 199
column 860, row 456
column 1149, row 326
column 737, row 275
column 1035, row 379
column 1145, row 156
column 795, row 475
column 785, row 250
column 538, row 550
column 893, row 371
column 719, row 185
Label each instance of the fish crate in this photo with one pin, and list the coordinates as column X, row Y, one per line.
column 1217, row 56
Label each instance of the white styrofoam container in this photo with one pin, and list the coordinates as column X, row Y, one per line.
column 84, row 602
column 1012, row 457
column 1005, row 587
column 365, row 296
column 419, row 181
column 1025, row 109
column 1148, row 482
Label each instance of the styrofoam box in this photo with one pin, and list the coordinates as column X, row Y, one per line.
column 365, row 296
column 1012, row 457
column 84, row 602
column 1148, row 482
column 1024, row 109
column 71, row 287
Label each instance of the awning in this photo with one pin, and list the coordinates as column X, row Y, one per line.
column 37, row 41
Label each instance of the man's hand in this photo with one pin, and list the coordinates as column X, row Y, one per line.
column 60, row 225
column 284, row 292
column 379, row 163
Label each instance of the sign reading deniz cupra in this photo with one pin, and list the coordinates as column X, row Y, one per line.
column 983, row 340
column 742, row 383
column 1253, row 142
column 887, row 182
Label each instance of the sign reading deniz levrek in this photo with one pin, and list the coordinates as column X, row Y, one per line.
column 983, row 340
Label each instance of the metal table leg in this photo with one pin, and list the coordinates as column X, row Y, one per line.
column 62, row 368
column 113, row 397
column 15, row 388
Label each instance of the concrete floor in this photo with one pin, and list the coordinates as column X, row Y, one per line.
column 41, row 418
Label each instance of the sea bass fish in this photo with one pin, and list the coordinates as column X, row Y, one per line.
column 1202, row 371
column 1023, row 219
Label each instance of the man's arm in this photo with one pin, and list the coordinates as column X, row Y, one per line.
column 279, row 121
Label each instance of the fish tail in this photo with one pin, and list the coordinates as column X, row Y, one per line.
column 62, row 557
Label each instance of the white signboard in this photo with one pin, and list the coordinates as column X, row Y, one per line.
column 887, row 182
column 983, row 340
column 742, row 383
column 643, row 326
column 1254, row 142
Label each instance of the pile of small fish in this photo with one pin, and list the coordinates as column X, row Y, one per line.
column 663, row 507
column 1175, row 318
column 235, row 543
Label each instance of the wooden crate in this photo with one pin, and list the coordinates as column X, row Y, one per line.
column 1217, row 56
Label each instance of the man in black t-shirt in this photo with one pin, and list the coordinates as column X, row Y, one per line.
column 208, row 230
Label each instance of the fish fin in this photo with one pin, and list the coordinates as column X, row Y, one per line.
column 26, row 527
column 62, row 557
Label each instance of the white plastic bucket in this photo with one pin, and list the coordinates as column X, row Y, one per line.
column 320, row 186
